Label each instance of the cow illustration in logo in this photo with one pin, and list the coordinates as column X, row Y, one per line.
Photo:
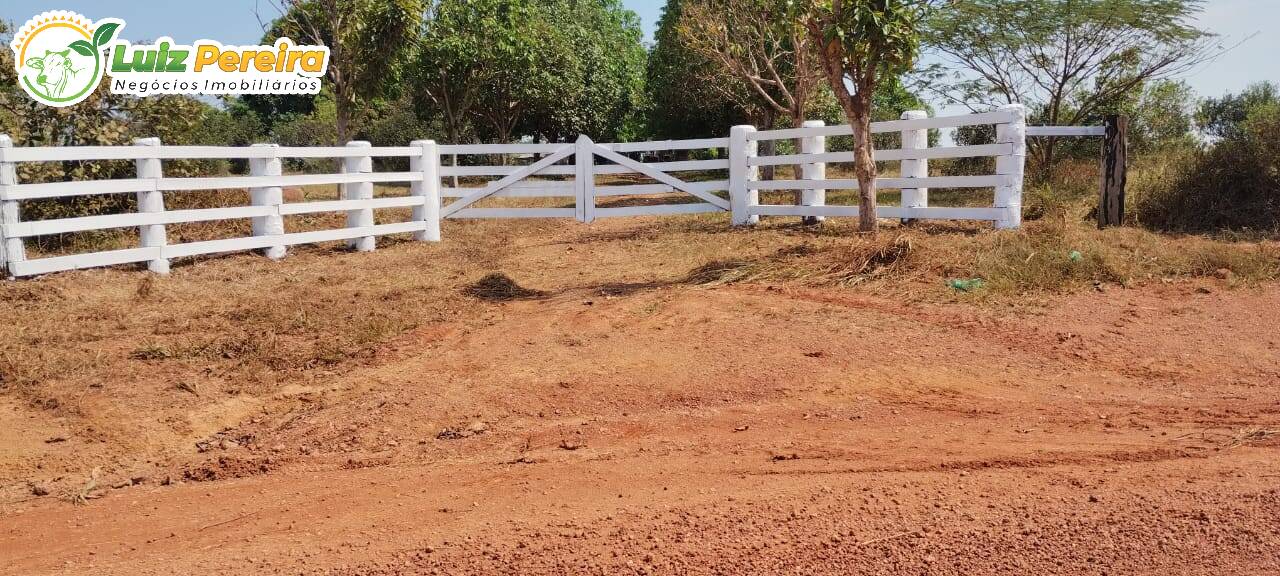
column 55, row 71
column 59, row 55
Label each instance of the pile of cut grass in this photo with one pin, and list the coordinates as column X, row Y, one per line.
column 498, row 287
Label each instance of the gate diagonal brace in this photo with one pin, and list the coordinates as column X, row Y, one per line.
column 661, row 176
column 507, row 180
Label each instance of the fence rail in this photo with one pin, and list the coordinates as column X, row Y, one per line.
column 913, row 180
column 725, row 177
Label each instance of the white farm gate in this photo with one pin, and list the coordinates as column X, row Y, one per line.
column 580, row 185
column 585, row 176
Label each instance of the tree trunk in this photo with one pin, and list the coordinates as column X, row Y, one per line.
column 797, row 121
column 343, row 112
column 857, row 109
column 864, row 167
column 767, row 147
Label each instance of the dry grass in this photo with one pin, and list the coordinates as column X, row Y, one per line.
column 1251, row 435
column 498, row 287
column 82, row 494
column 916, row 261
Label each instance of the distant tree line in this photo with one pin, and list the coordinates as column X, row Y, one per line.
column 501, row 70
column 548, row 70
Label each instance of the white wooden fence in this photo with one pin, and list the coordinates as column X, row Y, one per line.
column 913, row 179
column 564, row 170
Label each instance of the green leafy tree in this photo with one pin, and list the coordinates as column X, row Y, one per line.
column 681, row 103
column 1225, row 117
column 368, row 42
column 452, row 56
column 552, row 69
column 516, row 76
column 1160, row 116
column 1066, row 60
column 596, row 85
column 760, row 53
column 861, row 43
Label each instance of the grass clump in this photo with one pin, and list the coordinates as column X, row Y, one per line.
column 498, row 287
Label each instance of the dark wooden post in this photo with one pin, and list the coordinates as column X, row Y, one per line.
column 1114, row 173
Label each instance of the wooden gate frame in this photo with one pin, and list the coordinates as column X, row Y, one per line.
column 585, row 151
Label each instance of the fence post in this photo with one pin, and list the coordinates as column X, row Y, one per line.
column 1009, row 196
column 428, row 163
column 152, row 235
column 741, row 175
column 1114, row 176
column 273, row 196
column 362, row 217
column 914, row 168
column 813, row 170
column 11, row 249
column 584, row 179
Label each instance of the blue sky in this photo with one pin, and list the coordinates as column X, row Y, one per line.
column 1256, row 22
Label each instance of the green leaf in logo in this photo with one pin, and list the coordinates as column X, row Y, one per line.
column 82, row 48
column 104, row 34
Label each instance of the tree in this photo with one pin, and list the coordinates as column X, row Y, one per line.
column 757, row 46
column 446, row 68
column 1225, row 117
column 861, row 43
column 682, row 104
column 272, row 108
column 1160, row 116
column 1066, row 60
column 368, row 41
column 763, row 58
column 552, row 69
column 596, row 84
column 516, row 60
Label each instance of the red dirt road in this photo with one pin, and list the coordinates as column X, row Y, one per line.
column 738, row 430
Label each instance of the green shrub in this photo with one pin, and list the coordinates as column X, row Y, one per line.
column 1231, row 185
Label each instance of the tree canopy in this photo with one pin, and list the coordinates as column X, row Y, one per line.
column 762, row 57
column 1066, row 60
column 368, row 41
column 1225, row 117
column 681, row 103
column 496, row 69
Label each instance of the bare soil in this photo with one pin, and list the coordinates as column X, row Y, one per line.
column 623, row 416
